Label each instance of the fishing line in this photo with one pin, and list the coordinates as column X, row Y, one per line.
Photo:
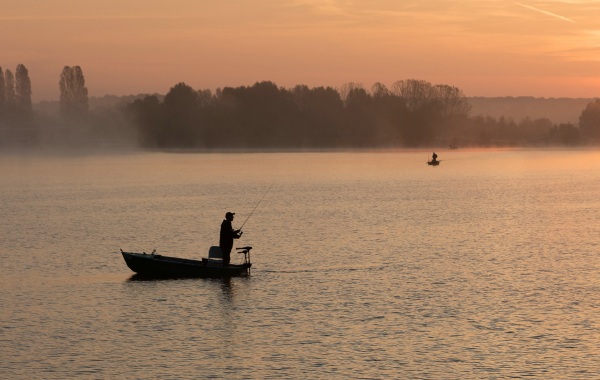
column 256, row 206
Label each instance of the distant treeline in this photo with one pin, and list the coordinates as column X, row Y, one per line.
column 559, row 110
column 413, row 113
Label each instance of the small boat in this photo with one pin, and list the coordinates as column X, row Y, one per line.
column 154, row 265
column 434, row 163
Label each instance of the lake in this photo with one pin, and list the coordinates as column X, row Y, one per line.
column 366, row 265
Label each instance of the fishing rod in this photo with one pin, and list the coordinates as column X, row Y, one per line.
column 255, row 207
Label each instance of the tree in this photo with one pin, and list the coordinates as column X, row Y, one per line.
column 359, row 119
column 417, row 94
column 147, row 115
column 389, row 115
column 274, row 113
column 534, row 131
column 454, row 109
column 347, row 88
column 452, row 102
column 424, row 111
column 320, row 113
column 589, row 122
column 378, row 90
column 23, row 92
column 73, row 93
column 2, row 93
column 9, row 89
column 435, row 111
column 565, row 134
column 181, row 116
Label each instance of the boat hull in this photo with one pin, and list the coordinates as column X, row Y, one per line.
column 152, row 265
column 433, row 163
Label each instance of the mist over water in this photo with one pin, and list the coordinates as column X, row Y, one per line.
column 366, row 265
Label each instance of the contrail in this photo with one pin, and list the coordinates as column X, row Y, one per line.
column 545, row 12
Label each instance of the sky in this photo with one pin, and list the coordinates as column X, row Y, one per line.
column 542, row 48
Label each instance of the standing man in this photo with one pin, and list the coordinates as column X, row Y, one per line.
column 226, row 237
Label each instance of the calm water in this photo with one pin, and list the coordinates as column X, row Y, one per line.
column 366, row 265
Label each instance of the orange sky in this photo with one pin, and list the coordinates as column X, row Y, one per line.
column 548, row 48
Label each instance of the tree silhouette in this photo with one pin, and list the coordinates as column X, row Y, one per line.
column 378, row 90
column 9, row 89
column 389, row 115
column 452, row 102
column 417, row 94
column 589, row 121
column 23, row 93
column 180, row 112
column 565, row 134
column 148, row 115
column 320, row 115
column 2, row 94
column 347, row 88
column 358, row 122
column 73, row 93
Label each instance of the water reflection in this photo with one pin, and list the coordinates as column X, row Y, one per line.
column 225, row 285
column 227, row 289
column 139, row 277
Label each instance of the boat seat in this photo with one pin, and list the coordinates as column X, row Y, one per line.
column 215, row 253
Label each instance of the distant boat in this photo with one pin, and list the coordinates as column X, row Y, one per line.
column 434, row 163
column 154, row 265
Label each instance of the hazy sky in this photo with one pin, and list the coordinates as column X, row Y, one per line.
column 547, row 48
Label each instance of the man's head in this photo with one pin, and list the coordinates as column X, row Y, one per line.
column 229, row 215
